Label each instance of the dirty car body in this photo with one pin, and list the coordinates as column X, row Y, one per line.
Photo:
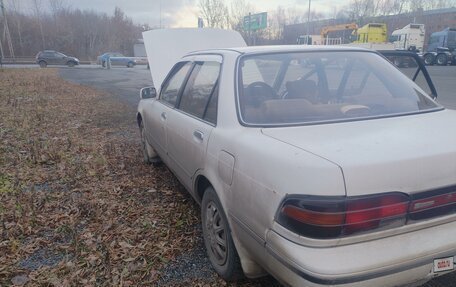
column 319, row 165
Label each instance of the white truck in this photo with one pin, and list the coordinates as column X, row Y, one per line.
column 309, row 40
column 411, row 37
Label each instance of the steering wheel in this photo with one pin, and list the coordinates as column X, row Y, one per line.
column 258, row 92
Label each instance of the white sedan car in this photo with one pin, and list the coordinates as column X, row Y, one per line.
column 319, row 165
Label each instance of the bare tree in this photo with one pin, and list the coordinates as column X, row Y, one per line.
column 15, row 7
column 37, row 10
column 238, row 10
column 215, row 13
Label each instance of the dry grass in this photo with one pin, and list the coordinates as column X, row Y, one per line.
column 77, row 206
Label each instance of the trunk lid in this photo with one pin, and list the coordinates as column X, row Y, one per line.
column 408, row 153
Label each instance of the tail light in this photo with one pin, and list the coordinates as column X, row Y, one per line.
column 332, row 217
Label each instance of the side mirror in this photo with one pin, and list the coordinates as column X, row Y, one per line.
column 148, row 93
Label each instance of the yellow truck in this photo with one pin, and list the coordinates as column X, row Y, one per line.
column 371, row 33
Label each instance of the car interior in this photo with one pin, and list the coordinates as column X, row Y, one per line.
column 294, row 88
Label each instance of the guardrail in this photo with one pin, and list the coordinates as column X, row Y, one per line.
column 32, row 60
column 29, row 61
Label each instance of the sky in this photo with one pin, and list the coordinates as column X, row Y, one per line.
column 178, row 13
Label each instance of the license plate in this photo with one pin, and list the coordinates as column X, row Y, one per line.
column 443, row 264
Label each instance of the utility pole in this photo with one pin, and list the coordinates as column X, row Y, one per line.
column 308, row 23
column 160, row 14
column 250, row 28
column 6, row 33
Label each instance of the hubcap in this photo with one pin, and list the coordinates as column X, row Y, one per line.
column 216, row 234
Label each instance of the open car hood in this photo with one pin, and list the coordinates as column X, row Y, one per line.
column 165, row 47
column 407, row 153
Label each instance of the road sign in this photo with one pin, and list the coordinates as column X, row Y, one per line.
column 256, row 21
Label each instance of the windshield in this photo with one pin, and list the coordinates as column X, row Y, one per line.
column 305, row 87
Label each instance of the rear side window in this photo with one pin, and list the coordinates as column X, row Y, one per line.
column 173, row 84
column 200, row 95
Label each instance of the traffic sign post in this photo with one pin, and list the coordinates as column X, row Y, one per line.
column 254, row 22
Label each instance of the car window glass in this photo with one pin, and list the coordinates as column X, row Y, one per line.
column 172, row 86
column 211, row 112
column 321, row 86
column 295, row 70
column 410, row 68
column 260, row 70
column 198, row 92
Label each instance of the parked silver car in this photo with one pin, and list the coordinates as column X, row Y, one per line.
column 319, row 165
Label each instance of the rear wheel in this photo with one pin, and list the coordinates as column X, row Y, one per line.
column 130, row 65
column 429, row 59
column 42, row 64
column 442, row 59
column 217, row 238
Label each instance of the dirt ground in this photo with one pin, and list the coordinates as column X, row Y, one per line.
column 77, row 205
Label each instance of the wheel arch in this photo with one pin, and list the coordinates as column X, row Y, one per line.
column 249, row 265
column 139, row 118
column 200, row 186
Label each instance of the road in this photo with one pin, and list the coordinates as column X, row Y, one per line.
column 123, row 83
column 444, row 79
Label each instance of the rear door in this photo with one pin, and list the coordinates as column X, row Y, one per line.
column 190, row 126
column 49, row 57
column 158, row 112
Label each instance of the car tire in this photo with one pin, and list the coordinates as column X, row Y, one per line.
column 217, row 238
column 442, row 59
column 42, row 64
column 103, row 64
column 130, row 65
column 149, row 154
column 429, row 59
column 71, row 64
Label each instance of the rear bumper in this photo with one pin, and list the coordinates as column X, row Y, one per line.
column 405, row 259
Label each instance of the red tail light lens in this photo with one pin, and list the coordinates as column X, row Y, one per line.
column 313, row 217
column 375, row 211
column 320, row 217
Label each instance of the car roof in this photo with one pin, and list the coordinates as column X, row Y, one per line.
column 281, row 48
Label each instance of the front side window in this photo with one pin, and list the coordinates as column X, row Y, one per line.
column 309, row 87
column 200, row 95
column 172, row 86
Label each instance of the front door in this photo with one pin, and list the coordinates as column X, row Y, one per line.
column 159, row 112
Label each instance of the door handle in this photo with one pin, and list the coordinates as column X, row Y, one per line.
column 198, row 135
column 163, row 116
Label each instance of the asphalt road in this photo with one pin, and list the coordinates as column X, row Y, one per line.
column 444, row 79
column 123, row 83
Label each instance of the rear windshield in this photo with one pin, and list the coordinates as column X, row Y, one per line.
column 306, row 87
